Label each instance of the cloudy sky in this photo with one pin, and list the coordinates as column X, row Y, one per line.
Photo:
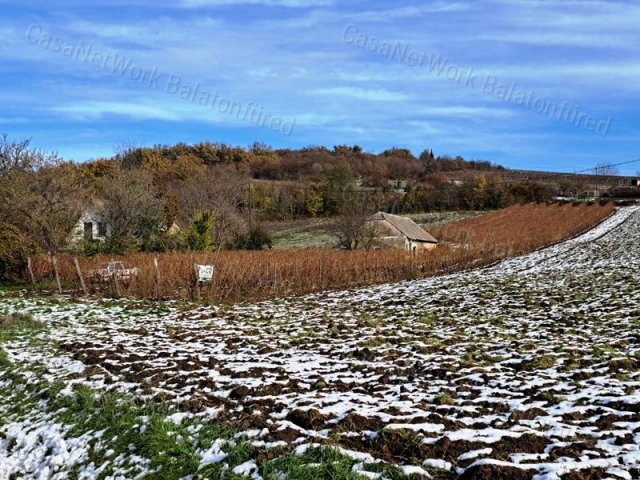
column 541, row 84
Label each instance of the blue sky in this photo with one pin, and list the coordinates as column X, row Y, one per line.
column 451, row 76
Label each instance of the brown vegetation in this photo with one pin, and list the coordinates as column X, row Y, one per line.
column 252, row 275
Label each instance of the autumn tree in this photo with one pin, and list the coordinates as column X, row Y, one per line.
column 314, row 203
column 134, row 213
column 40, row 196
column 20, row 156
column 15, row 247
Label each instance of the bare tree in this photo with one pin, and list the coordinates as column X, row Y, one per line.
column 220, row 192
column 353, row 229
column 131, row 209
column 20, row 156
column 606, row 170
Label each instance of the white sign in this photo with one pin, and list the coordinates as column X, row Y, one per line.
column 111, row 268
column 204, row 273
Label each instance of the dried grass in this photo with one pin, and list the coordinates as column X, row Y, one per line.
column 244, row 275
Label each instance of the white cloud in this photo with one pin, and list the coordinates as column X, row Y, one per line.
column 94, row 110
column 460, row 111
column 410, row 11
column 271, row 3
column 376, row 95
column 296, row 62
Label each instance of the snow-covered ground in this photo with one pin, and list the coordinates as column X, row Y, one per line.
column 530, row 366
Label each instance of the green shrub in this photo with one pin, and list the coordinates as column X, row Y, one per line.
column 199, row 236
column 255, row 239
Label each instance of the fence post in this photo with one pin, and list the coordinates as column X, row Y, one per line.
column 116, row 286
column 197, row 290
column 275, row 276
column 79, row 272
column 33, row 277
column 113, row 269
column 156, row 279
column 196, row 283
column 54, row 261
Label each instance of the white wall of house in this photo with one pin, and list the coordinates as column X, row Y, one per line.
column 416, row 246
column 90, row 226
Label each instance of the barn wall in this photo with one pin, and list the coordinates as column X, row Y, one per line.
column 420, row 246
column 388, row 236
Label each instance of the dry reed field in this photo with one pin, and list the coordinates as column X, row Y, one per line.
column 248, row 276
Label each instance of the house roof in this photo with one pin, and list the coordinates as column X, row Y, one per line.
column 406, row 227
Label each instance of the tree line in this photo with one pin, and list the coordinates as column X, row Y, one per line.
column 208, row 195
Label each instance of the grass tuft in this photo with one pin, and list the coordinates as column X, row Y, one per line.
column 4, row 360
column 444, row 398
column 544, row 362
column 16, row 325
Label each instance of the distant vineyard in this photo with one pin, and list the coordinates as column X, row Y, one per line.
column 244, row 275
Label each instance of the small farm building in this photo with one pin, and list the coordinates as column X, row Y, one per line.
column 393, row 231
column 91, row 226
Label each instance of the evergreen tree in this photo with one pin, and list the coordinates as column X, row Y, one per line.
column 199, row 236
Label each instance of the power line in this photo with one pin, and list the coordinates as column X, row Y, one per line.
column 532, row 175
column 595, row 169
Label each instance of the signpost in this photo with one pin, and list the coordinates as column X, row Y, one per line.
column 203, row 274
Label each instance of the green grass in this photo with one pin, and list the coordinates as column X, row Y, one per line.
column 132, row 426
column 17, row 325
column 371, row 321
column 316, row 233
column 45, row 286
column 4, row 360
column 319, row 464
column 302, row 335
column 444, row 398
column 311, row 235
column 428, row 318
column 374, row 342
column 552, row 398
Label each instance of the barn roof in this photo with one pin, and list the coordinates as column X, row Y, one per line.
column 406, row 227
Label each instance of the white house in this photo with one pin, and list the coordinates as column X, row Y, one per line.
column 91, row 226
